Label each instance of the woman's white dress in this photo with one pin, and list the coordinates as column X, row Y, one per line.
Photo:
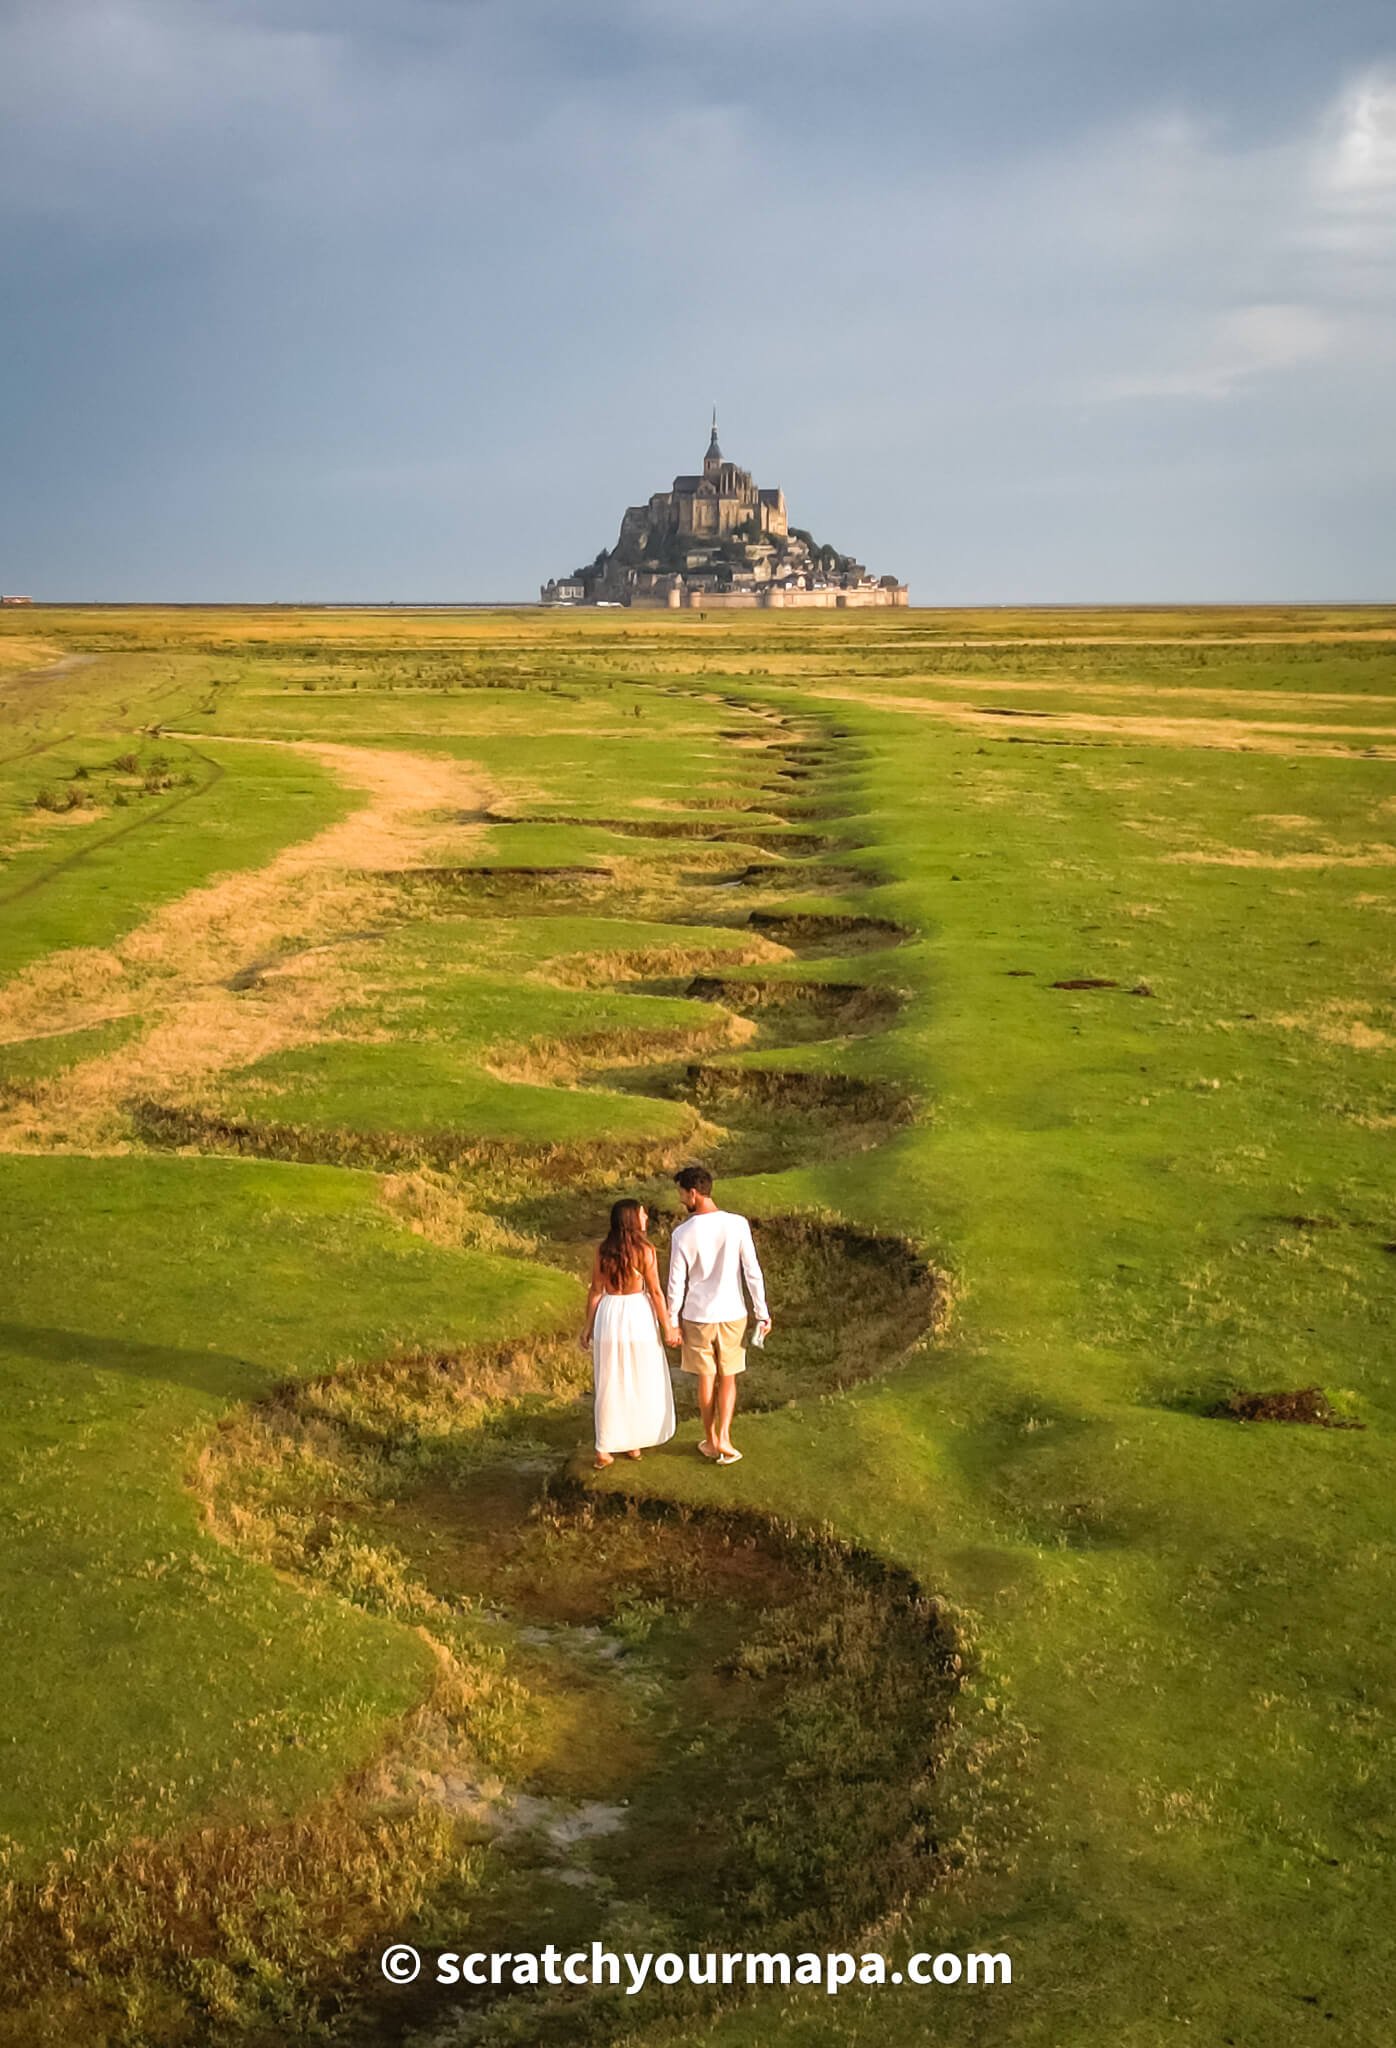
column 634, row 1396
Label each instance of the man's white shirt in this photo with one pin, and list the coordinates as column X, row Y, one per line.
column 709, row 1257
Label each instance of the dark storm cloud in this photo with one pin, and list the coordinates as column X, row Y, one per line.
column 410, row 297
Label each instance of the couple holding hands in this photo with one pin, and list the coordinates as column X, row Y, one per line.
column 711, row 1253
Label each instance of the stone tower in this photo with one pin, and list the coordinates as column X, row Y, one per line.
column 712, row 461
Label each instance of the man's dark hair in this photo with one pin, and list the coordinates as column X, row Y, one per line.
column 695, row 1179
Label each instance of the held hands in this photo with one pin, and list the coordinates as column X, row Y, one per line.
column 673, row 1336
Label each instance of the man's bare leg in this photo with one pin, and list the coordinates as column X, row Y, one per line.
column 707, row 1406
column 724, row 1408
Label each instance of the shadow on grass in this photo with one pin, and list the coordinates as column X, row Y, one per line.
column 215, row 1373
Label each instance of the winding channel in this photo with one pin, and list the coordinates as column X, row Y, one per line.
column 655, row 1726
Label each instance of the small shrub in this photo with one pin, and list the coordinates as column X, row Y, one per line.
column 1305, row 1405
column 70, row 799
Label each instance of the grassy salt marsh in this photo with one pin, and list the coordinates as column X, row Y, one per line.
column 1029, row 978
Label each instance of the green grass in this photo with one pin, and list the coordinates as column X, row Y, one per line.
column 1179, row 1613
column 87, row 883
column 153, row 1677
column 1164, row 1787
column 26, row 1061
column 430, row 1088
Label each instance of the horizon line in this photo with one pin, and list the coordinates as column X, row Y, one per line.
column 26, row 603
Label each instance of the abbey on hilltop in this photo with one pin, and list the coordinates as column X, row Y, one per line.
column 718, row 541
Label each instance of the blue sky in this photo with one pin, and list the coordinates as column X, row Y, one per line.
column 1060, row 301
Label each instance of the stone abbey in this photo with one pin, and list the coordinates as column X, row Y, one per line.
column 718, row 541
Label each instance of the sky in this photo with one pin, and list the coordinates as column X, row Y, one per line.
column 1054, row 301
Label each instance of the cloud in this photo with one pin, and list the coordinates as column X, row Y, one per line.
column 297, row 262
column 1251, row 342
column 1353, row 178
column 138, row 117
column 1310, row 220
column 1362, row 167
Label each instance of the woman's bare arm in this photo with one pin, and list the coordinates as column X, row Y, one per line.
column 656, row 1295
column 594, row 1294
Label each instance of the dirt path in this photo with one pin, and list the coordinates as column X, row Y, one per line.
column 173, row 970
column 30, row 659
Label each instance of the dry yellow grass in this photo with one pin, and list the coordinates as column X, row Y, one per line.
column 563, row 1061
column 1243, row 736
column 431, row 1205
column 1341, row 1021
column 173, row 969
column 660, row 963
column 22, row 652
column 1254, row 700
column 35, row 824
column 1378, row 856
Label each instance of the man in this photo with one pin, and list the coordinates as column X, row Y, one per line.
column 710, row 1254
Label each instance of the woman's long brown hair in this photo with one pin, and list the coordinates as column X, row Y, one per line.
column 622, row 1252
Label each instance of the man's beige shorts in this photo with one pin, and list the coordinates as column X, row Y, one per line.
column 714, row 1347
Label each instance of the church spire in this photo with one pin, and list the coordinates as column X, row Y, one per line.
column 712, row 461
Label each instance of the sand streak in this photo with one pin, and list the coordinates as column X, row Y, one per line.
column 172, row 971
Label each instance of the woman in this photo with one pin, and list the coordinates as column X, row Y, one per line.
column 625, row 1313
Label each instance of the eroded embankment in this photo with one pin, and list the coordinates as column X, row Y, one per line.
column 649, row 1726
column 676, row 1727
